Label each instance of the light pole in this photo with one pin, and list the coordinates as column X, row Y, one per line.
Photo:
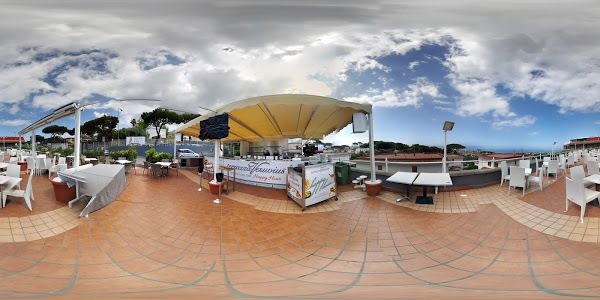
column 118, row 120
column 553, row 150
column 447, row 127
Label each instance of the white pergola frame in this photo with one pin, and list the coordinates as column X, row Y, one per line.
column 59, row 113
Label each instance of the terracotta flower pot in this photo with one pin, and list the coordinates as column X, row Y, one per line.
column 62, row 192
column 373, row 188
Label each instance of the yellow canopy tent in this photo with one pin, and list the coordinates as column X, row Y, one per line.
column 279, row 116
column 274, row 117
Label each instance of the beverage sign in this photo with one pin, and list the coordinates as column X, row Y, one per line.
column 319, row 183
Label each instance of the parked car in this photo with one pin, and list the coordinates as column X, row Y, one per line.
column 187, row 153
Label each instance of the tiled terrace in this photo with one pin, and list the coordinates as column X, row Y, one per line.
column 164, row 239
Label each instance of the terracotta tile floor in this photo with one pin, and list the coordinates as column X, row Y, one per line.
column 162, row 238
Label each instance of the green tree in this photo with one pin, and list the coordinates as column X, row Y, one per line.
column 54, row 131
column 186, row 117
column 101, row 127
column 453, row 148
column 160, row 118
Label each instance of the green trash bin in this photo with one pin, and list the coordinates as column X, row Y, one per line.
column 342, row 173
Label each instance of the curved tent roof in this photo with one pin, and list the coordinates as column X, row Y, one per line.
column 279, row 116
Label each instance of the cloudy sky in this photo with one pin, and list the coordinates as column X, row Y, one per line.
column 515, row 74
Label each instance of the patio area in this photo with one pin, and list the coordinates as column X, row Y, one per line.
column 164, row 239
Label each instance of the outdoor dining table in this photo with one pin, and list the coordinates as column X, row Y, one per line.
column 164, row 165
column 3, row 166
column 7, row 183
column 432, row 179
column 406, row 178
column 103, row 183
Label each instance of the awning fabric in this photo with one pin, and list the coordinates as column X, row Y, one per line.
column 282, row 116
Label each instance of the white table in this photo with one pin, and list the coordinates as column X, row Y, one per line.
column 103, row 183
column 431, row 179
column 164, row 165
column 406, row 178
column 123, row 161
column 3, row 165
column 7, row 183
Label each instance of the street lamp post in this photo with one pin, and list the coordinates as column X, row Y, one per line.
column 447, row 127
column 118, row 120
column 553, row 150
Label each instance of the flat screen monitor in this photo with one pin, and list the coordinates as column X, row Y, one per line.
column 215, row 128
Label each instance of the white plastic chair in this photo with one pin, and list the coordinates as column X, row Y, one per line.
column 537, row 179
column 578, row 173
column 563, row 165
column 12, row 160
column 30, row 164
column 592, row 167
column 552, row 168
column 570, row 161
column 40, row 165
column 504, row 172
column 539, row 167
column 62, row 160
column 525, row 163
column 13, row 171
column 517, row 178
column 578, row 194
column 27, row 194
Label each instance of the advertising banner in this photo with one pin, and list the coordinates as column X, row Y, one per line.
column 268, row 173
column 319, row 183
column 135, row 140
column 294, row 188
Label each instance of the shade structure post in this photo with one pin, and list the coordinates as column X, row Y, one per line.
column 174, row 144
column 216, row 163
column 33, row 142
column 77, row 138
column 371, row 148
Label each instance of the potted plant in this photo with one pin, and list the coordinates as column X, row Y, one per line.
column 373, row 187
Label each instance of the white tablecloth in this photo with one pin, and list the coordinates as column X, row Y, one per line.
column 104, row 183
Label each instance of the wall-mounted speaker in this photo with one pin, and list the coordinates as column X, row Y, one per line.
column 359, row 123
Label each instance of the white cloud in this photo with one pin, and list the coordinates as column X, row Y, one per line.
column 99, row 114
column 15, row 122
column 514, row 122
column 238, row 49
column 411, row 96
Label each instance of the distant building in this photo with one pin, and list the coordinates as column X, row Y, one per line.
column 592, row 142
column 489, row 161
column 10, row 141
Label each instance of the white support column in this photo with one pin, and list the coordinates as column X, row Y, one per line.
column 371, row 148
column 386, row 165
column 33, row 143
column 77, row 138
column 216, row 163
column 174, row 144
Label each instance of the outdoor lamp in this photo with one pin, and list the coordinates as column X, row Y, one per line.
column 447, row 127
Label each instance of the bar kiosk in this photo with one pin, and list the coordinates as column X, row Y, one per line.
column 311, row 184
